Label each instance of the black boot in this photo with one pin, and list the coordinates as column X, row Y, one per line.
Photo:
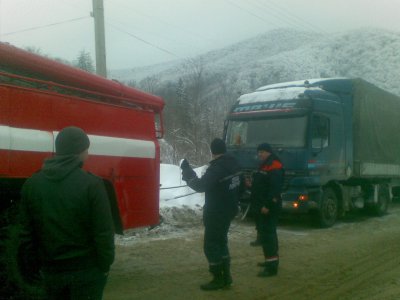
column 217, row 282
column 262, row 264
column 226, row 272
column 270, row 269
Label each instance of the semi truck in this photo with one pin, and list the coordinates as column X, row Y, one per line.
column 39, row 97
column 338, row 139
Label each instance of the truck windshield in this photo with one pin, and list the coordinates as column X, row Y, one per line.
column 288, row 132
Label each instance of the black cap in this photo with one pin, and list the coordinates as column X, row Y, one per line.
column 218, row 146
column 264, row 147
column 71, row 140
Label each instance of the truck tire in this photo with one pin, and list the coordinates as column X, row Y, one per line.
column 380, row 208
column 328, row 211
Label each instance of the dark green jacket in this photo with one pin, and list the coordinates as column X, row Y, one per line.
column 65, row 215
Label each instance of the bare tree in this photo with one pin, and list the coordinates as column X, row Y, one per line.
column 35, row 50
column 197, row 105
column 150, row 84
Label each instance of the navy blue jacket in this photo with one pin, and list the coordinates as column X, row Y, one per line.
column 268, row 184
column 221, row 183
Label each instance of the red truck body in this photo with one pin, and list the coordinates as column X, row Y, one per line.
column 39, row 97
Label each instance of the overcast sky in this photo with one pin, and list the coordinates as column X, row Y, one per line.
column 146, row 32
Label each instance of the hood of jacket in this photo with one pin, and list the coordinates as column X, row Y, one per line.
column 58, row 167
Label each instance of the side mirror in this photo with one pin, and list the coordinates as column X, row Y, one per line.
column 317, row 145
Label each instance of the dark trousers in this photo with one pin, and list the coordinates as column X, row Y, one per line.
column 75, row 285
column 266, row 226
column 216, row 237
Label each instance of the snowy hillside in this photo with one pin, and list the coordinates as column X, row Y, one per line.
column 286, row 55
column 226, row 59
column 199, row 92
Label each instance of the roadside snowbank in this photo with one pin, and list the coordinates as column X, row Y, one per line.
column 180, row 206
column 173, row 190
column 180, row 209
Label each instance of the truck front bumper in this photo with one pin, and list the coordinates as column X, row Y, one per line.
column 299, row 202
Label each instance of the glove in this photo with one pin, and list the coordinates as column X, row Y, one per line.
column 187, row 171
column 188, row 174
column 185, row 164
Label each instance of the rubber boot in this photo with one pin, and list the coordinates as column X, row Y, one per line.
column 217, row 282
column 226, row 272
column 270, row 269
column 262, row 264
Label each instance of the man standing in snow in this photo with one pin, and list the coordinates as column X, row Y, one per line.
column 221, row 186
column 66, row 220
column 266, row 191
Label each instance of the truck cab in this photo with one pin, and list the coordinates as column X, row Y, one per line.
column 309, row 126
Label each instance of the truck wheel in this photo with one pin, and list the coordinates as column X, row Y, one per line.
column 328, row 212
column 380, row 208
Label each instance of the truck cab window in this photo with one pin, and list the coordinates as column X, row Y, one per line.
column 320, row 132
column 282, row 132
column 238, row 133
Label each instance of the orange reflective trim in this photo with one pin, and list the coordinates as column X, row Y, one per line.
column 276, row 165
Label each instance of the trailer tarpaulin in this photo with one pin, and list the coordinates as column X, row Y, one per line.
column 376, row 125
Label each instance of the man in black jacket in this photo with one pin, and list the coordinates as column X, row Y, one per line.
column 220, row 183
column 266, row 192
column 66, row 218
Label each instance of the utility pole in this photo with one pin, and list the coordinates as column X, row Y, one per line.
column 100, row 40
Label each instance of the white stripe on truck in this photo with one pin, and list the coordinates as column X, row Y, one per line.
column 25, row 139
column 20, row 139
column 112, row 146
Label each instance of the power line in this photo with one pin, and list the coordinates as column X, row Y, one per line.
column 287, row 17
column 142, row 40
column 251, row 13
column 187, row 31
column 119, row 23
column 287, row 12
column 278, row 15
column 45, row 26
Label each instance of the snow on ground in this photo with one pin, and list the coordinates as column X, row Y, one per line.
column 180, row 208
column 170, row 196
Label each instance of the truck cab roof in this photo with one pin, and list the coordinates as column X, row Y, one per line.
column 297, row 90
column 327, row 84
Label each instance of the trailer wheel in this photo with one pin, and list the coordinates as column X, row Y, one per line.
column 328, row 212
column 380, row 208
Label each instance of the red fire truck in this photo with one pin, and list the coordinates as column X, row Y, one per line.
column 39, row 97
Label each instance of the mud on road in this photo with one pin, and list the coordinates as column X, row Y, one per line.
column 358, row 258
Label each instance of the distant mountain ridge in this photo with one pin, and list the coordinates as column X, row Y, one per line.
column 286, row 55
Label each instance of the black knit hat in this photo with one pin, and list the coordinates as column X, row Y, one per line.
column 218, row 146
column 264, row 147
column 71, row 140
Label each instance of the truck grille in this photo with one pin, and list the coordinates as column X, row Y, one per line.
column 289, row 175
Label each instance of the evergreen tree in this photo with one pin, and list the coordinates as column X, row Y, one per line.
column 84, row 61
